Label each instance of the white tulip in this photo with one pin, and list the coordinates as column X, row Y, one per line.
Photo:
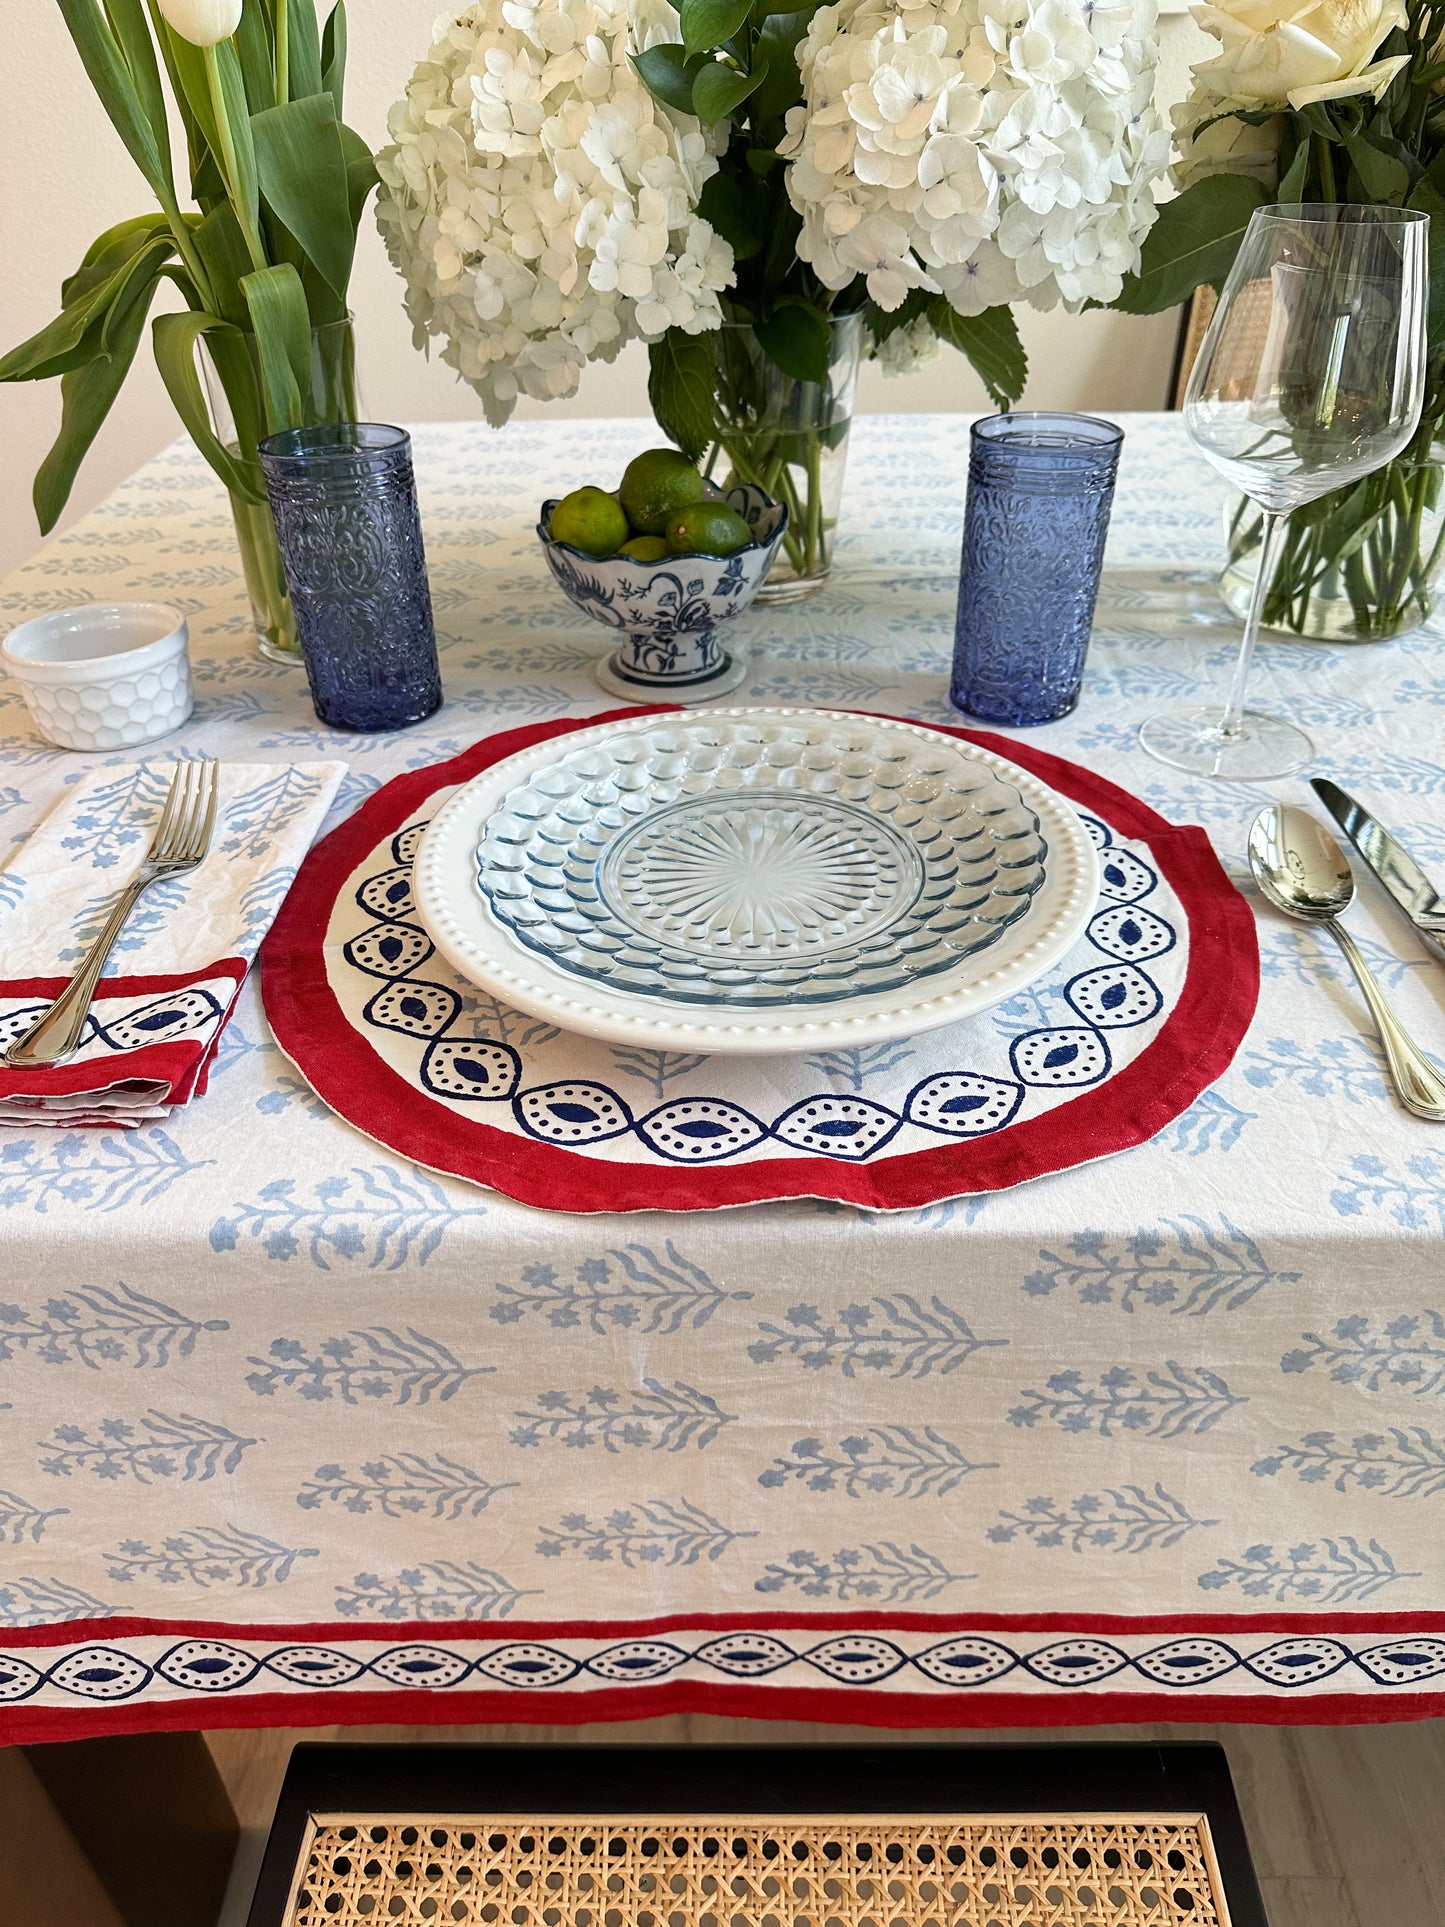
column 202, row 22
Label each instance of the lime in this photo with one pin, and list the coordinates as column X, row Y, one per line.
column 707, row 528
column 591, row 520
column 655, row 486
column 646, row 548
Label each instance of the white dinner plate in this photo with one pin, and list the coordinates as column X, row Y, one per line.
column 754, row 880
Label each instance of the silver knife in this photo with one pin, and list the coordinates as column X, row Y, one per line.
column 1401, row 875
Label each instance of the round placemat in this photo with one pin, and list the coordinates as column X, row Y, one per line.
column 1102, row 1053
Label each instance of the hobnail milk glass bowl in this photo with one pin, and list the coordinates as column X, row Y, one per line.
column 105, row 675
column 670, row 610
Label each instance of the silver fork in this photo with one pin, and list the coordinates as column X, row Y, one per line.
column 180, row 842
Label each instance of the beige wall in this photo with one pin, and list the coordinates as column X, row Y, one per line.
column 64, row 177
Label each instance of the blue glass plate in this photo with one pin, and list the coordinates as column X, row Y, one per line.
column 751, row 862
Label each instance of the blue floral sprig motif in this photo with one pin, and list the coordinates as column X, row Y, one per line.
column 1414, row 692
column 1329, row 1572
column 119, row 816
column 95, row 1326
column 852, row 1068
column 1404, row 1462
column 656, row 1068
column 895, row 1335
column 639, row 1290
column 1407, row 1354
column 406, row 1485
column 495, row 1022
column 259, row 903
column 401, row 1368
column 20, row 1520
column 656, row 1418
column 886, row 1459
column 1415, row 774
column 151, row 914
column 12, row 889
column 655, row 1533
column 1349, row 1067
column 1035, row 1008
column 1128, row 1519
column 1165, row 1404
column 1211, row 1123
column 376, row 1215
column 158, row 1446
column 1415, row 1200
column 1189, row 1266
column 10, row 798
column 1298, row 956
column 207, row 1556
column 258, row 815
column 447, row 1589
column 136, row 1167
column 44, row 1602
column 888, row 1573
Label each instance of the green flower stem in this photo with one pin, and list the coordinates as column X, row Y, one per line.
column 283, row 55
column 227, row 157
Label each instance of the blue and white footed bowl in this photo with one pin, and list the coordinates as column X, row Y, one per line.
column 670, row 610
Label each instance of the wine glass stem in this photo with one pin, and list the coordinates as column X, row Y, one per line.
column 1271, row 536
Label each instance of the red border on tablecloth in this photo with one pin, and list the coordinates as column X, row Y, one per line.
column 873, row 1705
column 1194, row 1047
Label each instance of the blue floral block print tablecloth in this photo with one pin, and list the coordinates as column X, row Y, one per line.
column 291, row 1430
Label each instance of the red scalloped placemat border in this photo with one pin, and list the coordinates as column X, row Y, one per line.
column 1197, row 1043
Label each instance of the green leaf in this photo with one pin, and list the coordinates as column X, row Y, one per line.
column 708, row 23
column 304, row 40
column 991, row 342
column 256, row 52
column 174, row 337
column 718, row 90
column 227, row 262
column 795, row 338
column 302, row 172
column 110, row 251
column 86, row 395
column 737, row 208
column 109, row 276
column 333, row 56
column 777, row 49
column 1292, row 183
column 665, row 75
column 680, row 384
column 109, row 75
column 282, row 325
column 1383, row 177
column 1194, row 241
column 1428, row 199
column 131, row 27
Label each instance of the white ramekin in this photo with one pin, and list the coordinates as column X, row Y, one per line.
column 106, row 675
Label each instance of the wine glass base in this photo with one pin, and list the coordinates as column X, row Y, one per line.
column 1193, row 739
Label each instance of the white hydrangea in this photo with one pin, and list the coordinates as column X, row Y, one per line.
column 989, row 150
column 541, row 205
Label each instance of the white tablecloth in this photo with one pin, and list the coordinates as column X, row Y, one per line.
column 291, row 1430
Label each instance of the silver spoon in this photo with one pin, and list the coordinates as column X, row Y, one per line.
column 1304, row 872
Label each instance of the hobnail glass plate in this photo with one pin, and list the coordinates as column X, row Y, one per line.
column 756, row 861
column 754, row 880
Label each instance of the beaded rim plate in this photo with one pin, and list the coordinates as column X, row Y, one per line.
column 1029, row 931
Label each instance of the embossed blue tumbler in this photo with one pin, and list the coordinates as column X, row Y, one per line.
column 344, row 501
column 1040, row 488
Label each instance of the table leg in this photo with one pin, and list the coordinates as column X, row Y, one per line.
column 150, row 1814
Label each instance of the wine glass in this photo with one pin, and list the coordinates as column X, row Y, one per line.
column 1310, row 376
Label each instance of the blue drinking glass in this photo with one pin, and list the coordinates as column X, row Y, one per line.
column 343, row 497
column 1040, row 487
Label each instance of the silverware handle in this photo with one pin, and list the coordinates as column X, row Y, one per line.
column 1420, row 1086
column 57, row 1033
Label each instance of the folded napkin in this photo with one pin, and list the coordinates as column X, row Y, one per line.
column 173, row 976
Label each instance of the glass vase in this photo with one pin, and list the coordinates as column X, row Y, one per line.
column 231, row 369
column 1361, row 565
column 790, row 439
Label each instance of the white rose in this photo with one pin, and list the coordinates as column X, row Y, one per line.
column 1297, row 53
column 202, row 22
column 1226, row 146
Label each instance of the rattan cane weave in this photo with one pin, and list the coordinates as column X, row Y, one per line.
column 1145, row 1870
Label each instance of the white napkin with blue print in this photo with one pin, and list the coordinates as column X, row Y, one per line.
column 174, row 973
